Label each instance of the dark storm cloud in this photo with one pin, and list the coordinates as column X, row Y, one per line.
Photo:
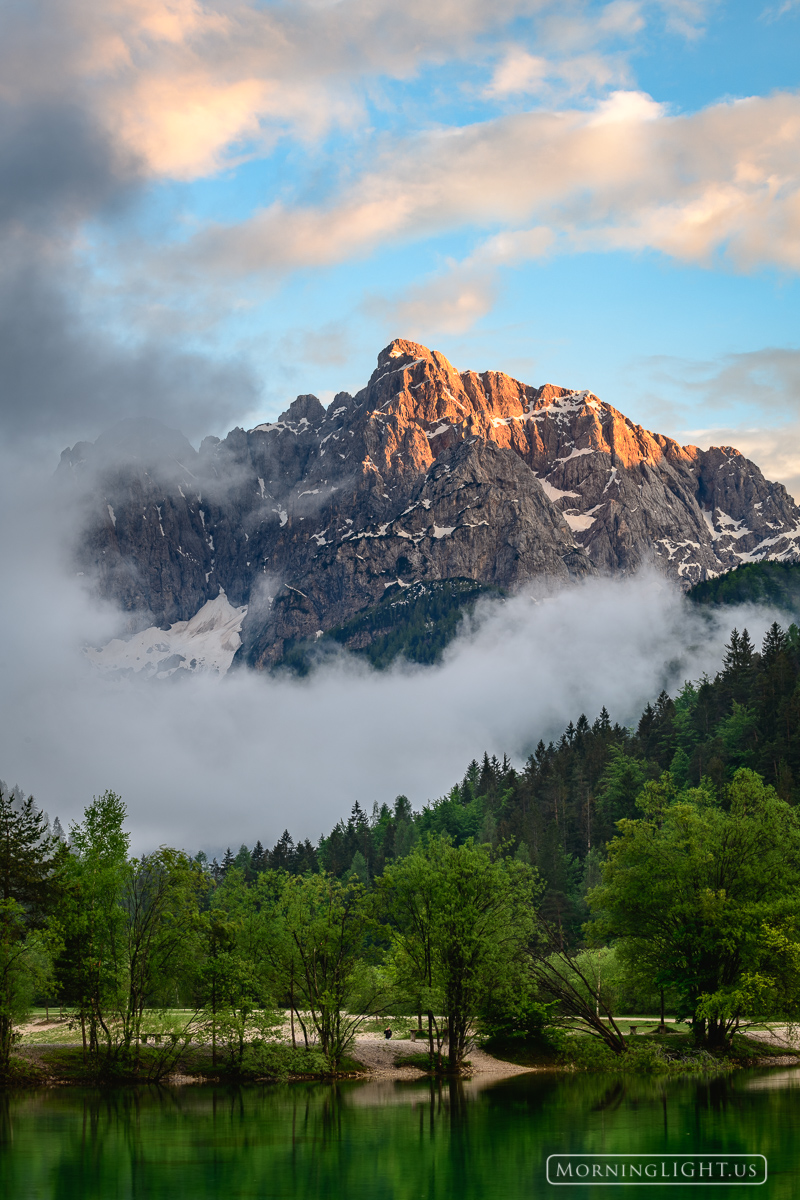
column 62, row 376
column 57, row 166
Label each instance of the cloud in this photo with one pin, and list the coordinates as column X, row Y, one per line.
column 626, row 175
column 209, row 762
column 749, row 400
column 190, row 88
column 574, row 28
column 776, row 11
column 447, row 303
column 57, row 164
column 522, row 73
column 687, row 17
column 767, row 380
column 62, row 377
column 328, row 343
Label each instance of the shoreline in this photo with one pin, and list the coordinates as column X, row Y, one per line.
column 371, row 1057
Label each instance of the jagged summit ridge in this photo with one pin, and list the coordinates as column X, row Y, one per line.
column 427, row 473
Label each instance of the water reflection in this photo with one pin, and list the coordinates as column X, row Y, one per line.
column 775, row 1080
column 386, row 1139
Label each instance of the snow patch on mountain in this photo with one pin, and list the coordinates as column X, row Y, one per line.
column 205, row 644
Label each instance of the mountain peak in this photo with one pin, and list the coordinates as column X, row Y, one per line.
column 427, row 474
column 400, row 349
column 305, row 408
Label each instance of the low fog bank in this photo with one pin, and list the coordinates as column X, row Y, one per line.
column 206, row 762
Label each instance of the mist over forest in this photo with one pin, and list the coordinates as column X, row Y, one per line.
column 206, row 762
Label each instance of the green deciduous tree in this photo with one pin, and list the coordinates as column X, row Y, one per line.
column 156, row 952
column 93, row 917
column 688, row 888
column 236, row 979
column 131, row 928
column 328, row 924
column 462, row 918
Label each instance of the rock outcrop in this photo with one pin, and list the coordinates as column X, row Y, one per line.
column 425, row 474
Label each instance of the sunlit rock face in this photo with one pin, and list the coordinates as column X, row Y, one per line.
column 425, row 474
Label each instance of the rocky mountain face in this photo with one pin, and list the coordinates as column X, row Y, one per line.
column 426, row 474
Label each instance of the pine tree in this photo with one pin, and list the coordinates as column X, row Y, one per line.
column 738, row 663
column 402, row 805
column 774, row 644
column 282, row 856
column 27, row 854
column 305, row 859
column 31, row 859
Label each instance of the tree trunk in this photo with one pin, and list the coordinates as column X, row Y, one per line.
column 5, row 1042
column 302, row 1026
column 662, row 1027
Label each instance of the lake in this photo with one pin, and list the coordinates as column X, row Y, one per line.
column 388, row 1140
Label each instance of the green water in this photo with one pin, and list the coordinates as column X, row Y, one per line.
column 386, row 1140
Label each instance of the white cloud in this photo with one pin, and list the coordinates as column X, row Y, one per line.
column 687, row 17
column 625, row 175
column 556, row 80
column 447, row 303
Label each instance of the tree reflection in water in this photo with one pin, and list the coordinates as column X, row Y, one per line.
column 383, row 1140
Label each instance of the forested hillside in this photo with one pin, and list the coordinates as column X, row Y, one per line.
column 776, row 584
column 560, row 809
column 415, row 622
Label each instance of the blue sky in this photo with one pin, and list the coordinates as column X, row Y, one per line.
column 234, row 202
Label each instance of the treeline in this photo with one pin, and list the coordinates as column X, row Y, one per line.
column 773, row 584
column 560, row 810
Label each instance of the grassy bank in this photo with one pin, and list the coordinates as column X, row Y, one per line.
column 648, row 1051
